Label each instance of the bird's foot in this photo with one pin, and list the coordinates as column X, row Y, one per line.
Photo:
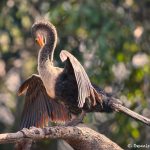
column 27, row 132
column 77, row 120
column 74, row 122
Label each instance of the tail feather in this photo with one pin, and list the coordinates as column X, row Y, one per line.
column 110, row 104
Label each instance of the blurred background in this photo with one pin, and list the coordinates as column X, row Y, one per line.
column 110, row 38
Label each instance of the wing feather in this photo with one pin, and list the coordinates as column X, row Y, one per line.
column 85, row 88
column 39, row 108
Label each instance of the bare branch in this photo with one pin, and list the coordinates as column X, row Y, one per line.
column 125, row 110
column 79, row 138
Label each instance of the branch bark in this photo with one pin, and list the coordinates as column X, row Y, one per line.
column 131, row 113
column 113, row 103
column 78, row 137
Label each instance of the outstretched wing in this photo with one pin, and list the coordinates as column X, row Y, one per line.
column 85, row 88
column 39, row 108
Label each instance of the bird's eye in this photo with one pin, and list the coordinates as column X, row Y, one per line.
column 44, row 40
column 36, row 40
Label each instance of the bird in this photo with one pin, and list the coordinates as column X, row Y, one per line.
column 57, row 94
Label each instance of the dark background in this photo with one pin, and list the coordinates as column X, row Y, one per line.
column 110, row 38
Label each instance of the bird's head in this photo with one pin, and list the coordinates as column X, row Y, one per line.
column 44, row 33
column 40, row 39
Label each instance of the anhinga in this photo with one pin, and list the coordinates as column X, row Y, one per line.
column 56, row 93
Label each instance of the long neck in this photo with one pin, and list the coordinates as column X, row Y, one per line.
column 47, row 51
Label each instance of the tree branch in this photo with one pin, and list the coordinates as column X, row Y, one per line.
column 131, row 113
column 78, row 137
column 120, row 108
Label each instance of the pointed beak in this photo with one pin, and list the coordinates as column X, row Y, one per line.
column 40, row 40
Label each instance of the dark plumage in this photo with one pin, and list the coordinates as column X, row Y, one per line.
column 39, row 108
column 56, row 93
